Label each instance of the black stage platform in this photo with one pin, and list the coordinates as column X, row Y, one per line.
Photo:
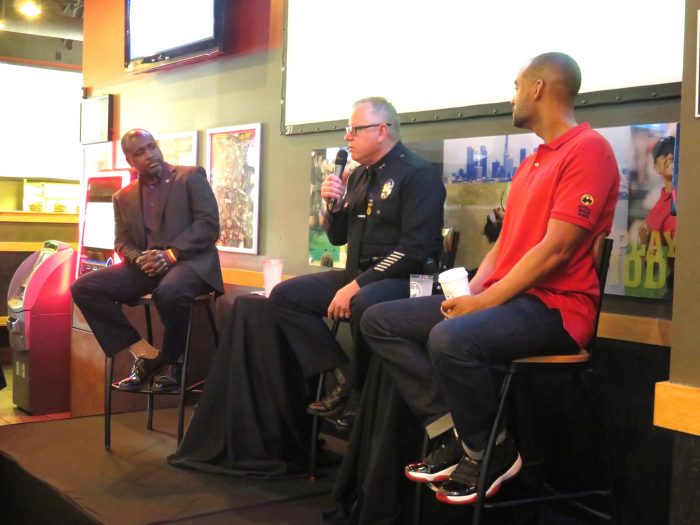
column 57, row 472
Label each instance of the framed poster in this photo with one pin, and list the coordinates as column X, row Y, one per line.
column 233, row 165
column 321, row 251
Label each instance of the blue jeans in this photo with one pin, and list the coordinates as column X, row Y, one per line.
column 456, row 365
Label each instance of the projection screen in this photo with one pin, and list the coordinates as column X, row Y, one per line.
column 427, row 57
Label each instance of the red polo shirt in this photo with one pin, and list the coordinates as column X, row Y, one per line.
column 574, row 178
column 660, row 218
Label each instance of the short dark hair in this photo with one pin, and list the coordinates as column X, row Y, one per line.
column 663, row 147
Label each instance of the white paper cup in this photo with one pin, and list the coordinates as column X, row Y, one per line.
column 455, row 282
column 272, row 274
column 420, row 285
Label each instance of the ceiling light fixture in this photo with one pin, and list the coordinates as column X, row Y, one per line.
column 30, row 9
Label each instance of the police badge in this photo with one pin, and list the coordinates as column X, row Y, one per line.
column 386, row 189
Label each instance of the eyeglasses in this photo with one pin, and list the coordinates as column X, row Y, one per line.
column 352, row 130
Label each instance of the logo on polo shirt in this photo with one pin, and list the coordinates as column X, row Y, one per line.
column 587, row 199
column 584, row 209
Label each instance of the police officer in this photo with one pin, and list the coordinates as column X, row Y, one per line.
column 389, row 211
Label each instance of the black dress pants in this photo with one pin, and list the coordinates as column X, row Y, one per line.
column 300, row 305
column 100, row 295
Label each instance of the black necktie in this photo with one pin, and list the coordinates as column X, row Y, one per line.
column 363, row 186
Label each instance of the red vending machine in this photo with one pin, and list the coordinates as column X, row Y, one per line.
column 39, row 325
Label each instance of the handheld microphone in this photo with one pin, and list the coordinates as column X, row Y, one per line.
column 340, row 160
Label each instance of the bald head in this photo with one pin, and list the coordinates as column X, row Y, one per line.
column 142, row 153
column 131, row 135
column 559, row 71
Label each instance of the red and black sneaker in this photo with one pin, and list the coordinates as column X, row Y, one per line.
column 439, row 464
column 460, row 489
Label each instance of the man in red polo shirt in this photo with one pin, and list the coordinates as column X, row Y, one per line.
column 534, row 293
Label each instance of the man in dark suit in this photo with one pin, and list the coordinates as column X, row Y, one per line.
column 166, row 227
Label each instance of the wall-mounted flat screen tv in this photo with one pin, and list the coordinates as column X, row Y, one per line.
column 163, row 33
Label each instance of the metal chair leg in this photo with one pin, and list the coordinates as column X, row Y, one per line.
column 418, row 497
column 109, row 368
column 317, row 419
column 149, row 411
column 212, row 323
column 149, row 336
column 183, row 379
column 315, row 430
column 149, row 324
column 486, row 462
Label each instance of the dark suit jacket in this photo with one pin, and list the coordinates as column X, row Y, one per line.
column 189, row 220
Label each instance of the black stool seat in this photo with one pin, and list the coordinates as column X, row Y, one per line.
column 147, row 301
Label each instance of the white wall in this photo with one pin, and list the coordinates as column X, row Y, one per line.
column 455, row 53
column 40, row 130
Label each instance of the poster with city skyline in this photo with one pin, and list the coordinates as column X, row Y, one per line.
column 477, row 172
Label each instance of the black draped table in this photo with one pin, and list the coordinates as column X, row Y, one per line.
column 250, row 419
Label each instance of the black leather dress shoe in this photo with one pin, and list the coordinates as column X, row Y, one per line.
column 332, row 404
column 167, row 379
column 347, row 418
column 141, row 372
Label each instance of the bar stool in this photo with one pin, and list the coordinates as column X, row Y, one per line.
column 147, row 301
column 450, row 242
column 577, row 365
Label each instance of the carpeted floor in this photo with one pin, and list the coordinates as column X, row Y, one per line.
column 133, row 483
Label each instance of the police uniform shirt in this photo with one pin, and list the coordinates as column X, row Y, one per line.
column 392, row 217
